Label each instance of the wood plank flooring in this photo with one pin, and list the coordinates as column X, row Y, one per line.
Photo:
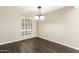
column 35, row 45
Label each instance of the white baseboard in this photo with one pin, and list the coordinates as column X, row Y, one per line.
column 60, row 43
column 16, row 40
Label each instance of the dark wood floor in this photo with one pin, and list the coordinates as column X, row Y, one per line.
column 35, row 45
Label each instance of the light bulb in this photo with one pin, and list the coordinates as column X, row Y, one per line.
column 39, row 17
column 42, row 18
column 36, row 17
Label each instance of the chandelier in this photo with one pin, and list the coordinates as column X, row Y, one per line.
column 39, row 16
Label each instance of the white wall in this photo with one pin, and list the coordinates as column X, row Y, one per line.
column 10, row 25
column 61, row 26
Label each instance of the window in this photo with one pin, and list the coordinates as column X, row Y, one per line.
column 26, row 26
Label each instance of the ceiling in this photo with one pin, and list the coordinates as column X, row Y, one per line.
column 31, row 9
column 34, row 9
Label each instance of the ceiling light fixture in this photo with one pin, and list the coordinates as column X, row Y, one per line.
column 39, row 16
